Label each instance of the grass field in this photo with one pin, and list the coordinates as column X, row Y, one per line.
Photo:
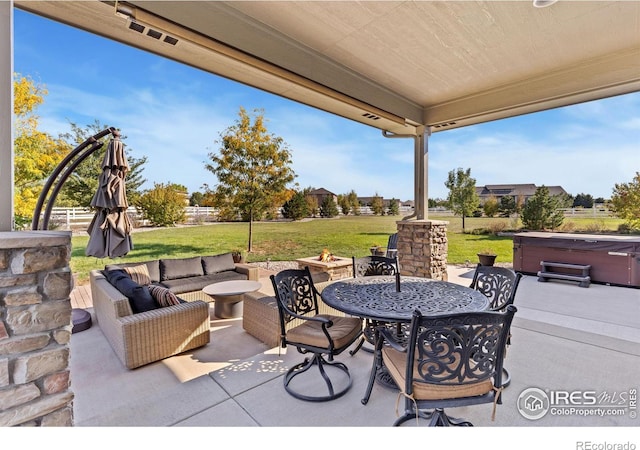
column 285, row 241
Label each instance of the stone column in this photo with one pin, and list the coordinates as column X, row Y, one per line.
column 422, row 248
column 35, row 328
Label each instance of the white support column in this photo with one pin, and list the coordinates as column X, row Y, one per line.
column 421, row 163
column 6, row 116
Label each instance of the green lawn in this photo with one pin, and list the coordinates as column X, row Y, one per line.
column 285, row 241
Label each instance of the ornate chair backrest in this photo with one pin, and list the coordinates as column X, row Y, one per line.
column 374, row 265
column 498, row 284
column 295, row 293
column 458, row 349
column 392, row 246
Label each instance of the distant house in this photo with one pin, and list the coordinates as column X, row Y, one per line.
column 366, row 201
column 517, row 191
column 321, row 194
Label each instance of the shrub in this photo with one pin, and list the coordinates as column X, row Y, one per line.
column 624, row 228
column 568, row 226
column 597, row 226
column 497, row 226
column 163, row 205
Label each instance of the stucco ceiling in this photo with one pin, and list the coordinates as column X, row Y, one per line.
column 394, row 65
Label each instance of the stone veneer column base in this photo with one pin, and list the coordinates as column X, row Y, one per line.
column 422, row 248
column 35, row 329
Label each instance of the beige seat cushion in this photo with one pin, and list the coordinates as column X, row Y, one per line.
column 396, row 363
column 343, row 331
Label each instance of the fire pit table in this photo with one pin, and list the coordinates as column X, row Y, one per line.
column 337, row 268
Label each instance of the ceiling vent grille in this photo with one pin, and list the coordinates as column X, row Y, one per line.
column 155, row 34
column 444, row 125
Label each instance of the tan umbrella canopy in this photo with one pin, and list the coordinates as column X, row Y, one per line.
column 110, row 229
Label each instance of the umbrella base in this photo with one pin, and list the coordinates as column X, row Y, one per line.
column 81, row 320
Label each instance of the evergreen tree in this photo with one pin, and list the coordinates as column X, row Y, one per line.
column 393, row 209
column 328, row 208
column 542, row 211
column 296, row 207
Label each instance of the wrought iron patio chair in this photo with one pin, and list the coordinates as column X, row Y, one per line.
column 449, row 361
column 369, row 266
column 499, row 285
column 392, row 246
column 318, row 334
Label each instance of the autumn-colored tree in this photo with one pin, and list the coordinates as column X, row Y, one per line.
column 312, row 204
column 343, row 203
column 491, row 206
column 377, row 205
column 252, row 167
column 354, row 202
column 626, row 201
column 36, row 154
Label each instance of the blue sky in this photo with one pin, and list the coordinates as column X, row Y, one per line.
column 174, row 114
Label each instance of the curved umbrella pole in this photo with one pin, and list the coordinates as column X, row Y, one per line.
column 72, row 160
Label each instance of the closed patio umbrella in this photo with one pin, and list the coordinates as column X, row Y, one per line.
column 110, row 229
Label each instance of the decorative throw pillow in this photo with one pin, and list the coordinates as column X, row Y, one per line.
column 163, row 296
column 139, row 296
column 218, row 263
column 172, row 269
column 139, row 274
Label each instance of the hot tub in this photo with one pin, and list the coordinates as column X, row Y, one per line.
column 614, row 259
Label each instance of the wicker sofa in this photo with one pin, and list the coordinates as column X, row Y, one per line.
column 145, row 337
column 186, row 277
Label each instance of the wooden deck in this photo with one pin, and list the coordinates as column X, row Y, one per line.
column 81, row 296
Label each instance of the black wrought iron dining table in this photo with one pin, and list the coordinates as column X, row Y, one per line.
column 378, row 298
column 394, row 299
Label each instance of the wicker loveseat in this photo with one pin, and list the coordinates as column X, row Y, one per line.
column 145, row 337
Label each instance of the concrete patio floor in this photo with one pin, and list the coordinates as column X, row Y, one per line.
column 564, row 338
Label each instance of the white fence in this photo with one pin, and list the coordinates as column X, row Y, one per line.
column 78, row 218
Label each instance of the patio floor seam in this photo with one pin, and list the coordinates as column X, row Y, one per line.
column 579, row 336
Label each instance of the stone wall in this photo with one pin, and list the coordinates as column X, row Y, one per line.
column 422, row 248
column 35, row 329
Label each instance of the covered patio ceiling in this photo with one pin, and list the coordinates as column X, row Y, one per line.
column 408, row 68
column 400, row 66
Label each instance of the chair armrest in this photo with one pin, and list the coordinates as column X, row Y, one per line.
column 386, row 335
column 252, row 273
